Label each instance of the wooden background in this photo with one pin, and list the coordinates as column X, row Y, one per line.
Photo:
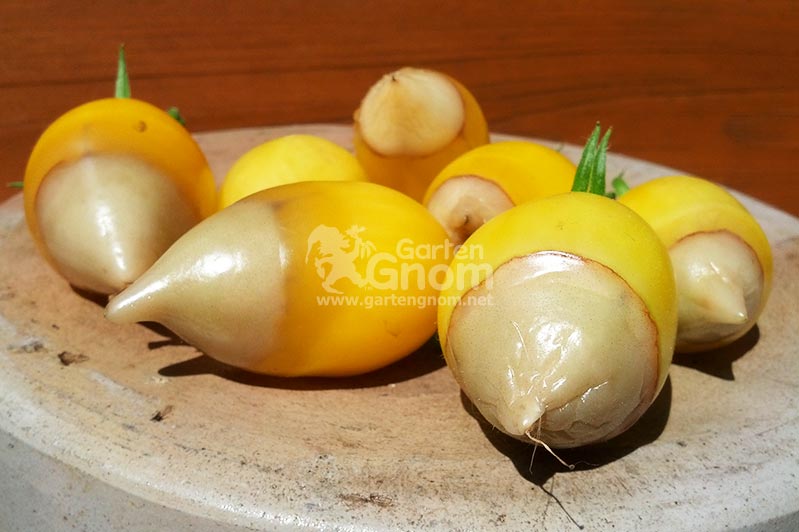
column 710, row 87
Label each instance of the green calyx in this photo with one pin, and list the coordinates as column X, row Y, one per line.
column 590, row 174
column 122, row 89
column 14, row 184
column 122, row 83
column 620, row 186
column 174, row 112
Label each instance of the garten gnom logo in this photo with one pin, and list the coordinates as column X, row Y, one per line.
column 346, row 258
column 336, row 253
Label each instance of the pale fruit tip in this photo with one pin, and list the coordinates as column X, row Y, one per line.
column 519, row 417
column 724, row 301
column 463, row 203
column 556, row 373
column 411, row 112
column 104, row 219
column 132, row 305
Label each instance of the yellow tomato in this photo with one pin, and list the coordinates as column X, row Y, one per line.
column 492, row 178
column 109, row 186
column 311, row 278
column 722, row 258
column 560, row 319
column 287, row 160
column 411, row 124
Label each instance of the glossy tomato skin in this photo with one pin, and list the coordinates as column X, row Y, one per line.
column 524, row 170
column 682, row 209
column 561, row 320
column 492, row 178
column 306, row 279
column 125, row 137
column 286, row 160
column 412, row 174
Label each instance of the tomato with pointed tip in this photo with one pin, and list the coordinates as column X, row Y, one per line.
column 316, row 278
column 721, row 257
column 109, row 186
column 492, row 178
column 560, row 317
column 413, row 122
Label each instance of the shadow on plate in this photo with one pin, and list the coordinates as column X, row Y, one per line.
column 101, row 300
column 170, row 338
column 718, row 362
column 537, row 466
column 424, row 360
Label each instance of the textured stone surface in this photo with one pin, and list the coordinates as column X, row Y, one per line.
column 104, row 427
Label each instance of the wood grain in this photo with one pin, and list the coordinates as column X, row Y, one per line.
column 711, row 88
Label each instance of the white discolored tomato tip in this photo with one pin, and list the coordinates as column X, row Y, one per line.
column 411, row 112
column 132, row 304
column 727, row 306
column 105, row 218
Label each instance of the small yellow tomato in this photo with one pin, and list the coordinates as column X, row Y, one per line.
column 721, row 257
column 287, row 160
column 109, row 186
column 411, row 124
column 492, row 178
column 560, row 319
column 311, row 278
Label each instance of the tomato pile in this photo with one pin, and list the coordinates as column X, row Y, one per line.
column 558, row 307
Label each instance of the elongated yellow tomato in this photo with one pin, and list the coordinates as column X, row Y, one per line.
column 287, row 160
column 492, row 178
column 559, row 320
column 721, row 257
column 312, row 278
column 411, row 124
column 109, row 186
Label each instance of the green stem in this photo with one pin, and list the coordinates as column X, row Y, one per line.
column 122, row 83
column 14, row 184
column 590, row 174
